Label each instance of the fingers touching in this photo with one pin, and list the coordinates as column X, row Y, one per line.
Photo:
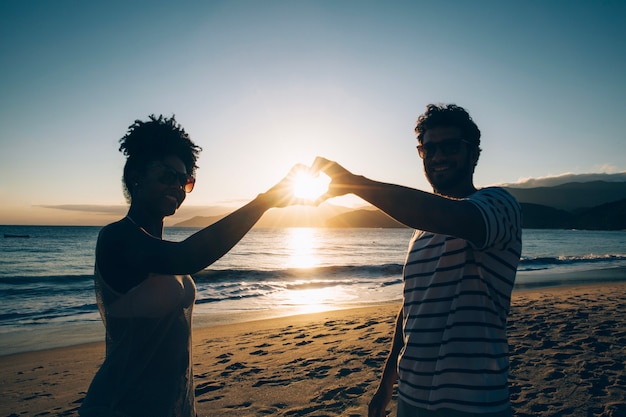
column 312, row 185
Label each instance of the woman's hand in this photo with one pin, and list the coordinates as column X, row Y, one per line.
column 282, row 194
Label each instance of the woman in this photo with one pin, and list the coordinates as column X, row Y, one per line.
column 144, row 292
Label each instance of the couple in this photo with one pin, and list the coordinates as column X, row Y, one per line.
column 449, row 353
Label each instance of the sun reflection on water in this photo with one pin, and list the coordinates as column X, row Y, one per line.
column 303, row 244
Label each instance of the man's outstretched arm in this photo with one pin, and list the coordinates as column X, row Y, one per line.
column 414, row 208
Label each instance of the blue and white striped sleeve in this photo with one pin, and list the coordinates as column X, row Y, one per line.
column 502, row 215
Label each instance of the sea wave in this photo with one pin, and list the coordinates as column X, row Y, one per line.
column 336, row 273
column 45, row 316
column 333, row 272
column 548, row 262
column 23, row 280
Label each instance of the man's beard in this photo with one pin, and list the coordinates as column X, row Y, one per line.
column 449, row 183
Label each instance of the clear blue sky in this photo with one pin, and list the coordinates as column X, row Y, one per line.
column 263, row 85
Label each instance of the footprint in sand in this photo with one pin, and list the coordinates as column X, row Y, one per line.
column 246, row 404
column 273, row 381
column 367, row 324
column 319, row 372
column 231, row 368
column 341, row 394
column 343, row 372
column 208, row 387
column 374, row 362
column 252, row 371
column 224, row 358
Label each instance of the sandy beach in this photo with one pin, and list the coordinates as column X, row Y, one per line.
column 568, row 356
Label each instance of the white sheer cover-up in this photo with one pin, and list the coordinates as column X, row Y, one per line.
column 147, row 370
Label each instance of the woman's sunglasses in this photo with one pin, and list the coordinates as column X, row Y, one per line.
column 170, row 176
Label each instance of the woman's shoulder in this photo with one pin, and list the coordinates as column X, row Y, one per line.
column 113, row 255
column 114, row 230
column 114, row 237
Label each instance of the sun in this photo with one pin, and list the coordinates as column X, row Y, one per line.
column 309, row 187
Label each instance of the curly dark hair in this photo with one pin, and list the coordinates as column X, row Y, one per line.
column 438, row 115
column 153, row 140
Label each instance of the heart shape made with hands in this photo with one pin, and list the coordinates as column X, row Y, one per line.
column 309, row 186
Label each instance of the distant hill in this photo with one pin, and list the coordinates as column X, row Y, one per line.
column 596, row 205
column 364, row 218
column 536, row 216
column 572, row 196
column 296, row 216
column 610, row 216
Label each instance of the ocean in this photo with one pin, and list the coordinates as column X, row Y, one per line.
column 47, row 296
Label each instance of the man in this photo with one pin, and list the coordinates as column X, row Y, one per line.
column 449, row 353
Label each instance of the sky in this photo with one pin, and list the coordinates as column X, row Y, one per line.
column 263, row 85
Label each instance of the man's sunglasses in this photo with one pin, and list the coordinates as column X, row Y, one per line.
column 170, row 176
column 447, row 147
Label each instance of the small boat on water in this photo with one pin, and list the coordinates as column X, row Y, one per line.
column 14, row 235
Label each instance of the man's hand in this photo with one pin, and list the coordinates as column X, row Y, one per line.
column 379, row 402
column 342, row 180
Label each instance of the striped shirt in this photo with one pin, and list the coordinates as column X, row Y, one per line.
column 456, row 302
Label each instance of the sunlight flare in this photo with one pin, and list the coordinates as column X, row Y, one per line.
column 310, row 187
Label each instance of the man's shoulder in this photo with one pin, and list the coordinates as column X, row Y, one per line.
column 496, row 192
column 493, row 189
column 502, row 214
